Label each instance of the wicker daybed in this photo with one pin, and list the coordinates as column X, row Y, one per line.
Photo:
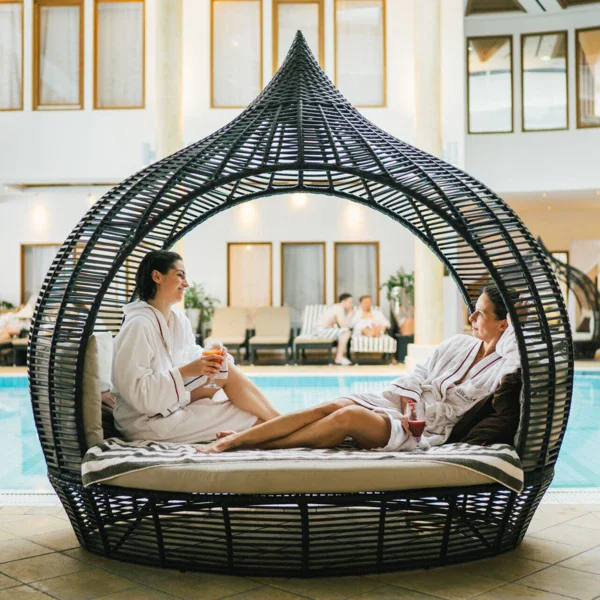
column 299, row 135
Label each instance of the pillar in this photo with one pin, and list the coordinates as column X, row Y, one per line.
column 429, row 271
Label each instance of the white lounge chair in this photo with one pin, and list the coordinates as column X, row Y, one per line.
column 308, row 339
column 229, row 325
column 384, row 344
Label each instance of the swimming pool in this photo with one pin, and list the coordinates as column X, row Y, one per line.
column 23, row 467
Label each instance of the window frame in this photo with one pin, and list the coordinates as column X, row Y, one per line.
column 577, row 84
column 37, row 4
column 282, row 270
column 512, row 84
column 335, row 53
column 335, row 267
column 229, row 245
column 321, row 5
column 143, row 104
column 32, row 245
column 212, row 52
column 22, row 3
column 542, row 33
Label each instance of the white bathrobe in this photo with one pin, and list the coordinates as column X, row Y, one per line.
column 435, row 383
column 153, row 400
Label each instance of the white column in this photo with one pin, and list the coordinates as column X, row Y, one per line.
column 429, row 270
column 169, row 82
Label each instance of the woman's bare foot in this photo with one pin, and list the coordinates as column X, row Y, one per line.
column 231, row 442
column 222, row 434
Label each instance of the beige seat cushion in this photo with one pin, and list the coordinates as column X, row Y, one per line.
column 226, row 341
column 97, row 370
column 294, row 477
column 270, row 339
column 229, row 322
column 273, row 321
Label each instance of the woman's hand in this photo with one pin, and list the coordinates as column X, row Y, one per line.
column 205, row 365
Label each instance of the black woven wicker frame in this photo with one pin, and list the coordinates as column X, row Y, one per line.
column 299, row 135
column 587, row 297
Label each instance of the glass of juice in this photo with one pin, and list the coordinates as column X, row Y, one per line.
column 214, row 348
column 415, row 414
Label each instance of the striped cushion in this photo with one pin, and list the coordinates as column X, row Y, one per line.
column 384, row 344
column 310, row 318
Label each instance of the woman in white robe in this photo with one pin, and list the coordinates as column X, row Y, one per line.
column 462, row 371
column 159, row 371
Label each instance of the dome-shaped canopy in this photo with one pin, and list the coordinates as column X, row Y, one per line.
column 300, row 134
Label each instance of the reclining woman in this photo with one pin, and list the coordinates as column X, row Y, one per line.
column 159, row 371
column 457, row 379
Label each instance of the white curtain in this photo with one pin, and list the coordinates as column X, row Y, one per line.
column 236, row 52
column 59, row 56
column 303, row 278
column 37, row 263
column 249, row 275
column 11, row 57
column 359, row 57
column 490, row 85
column 356, row 271
column 120, row 50
column 545, row 81
column 292, row 17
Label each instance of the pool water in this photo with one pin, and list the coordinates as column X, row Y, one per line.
column 23, row 468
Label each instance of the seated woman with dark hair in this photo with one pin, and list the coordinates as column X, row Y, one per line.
column 159, row 371
column 460, row 375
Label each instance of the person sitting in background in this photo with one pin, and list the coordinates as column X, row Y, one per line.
column 369, row 321
column 15, row 324
column 338, row 316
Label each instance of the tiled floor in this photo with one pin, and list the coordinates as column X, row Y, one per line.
column 559, row 558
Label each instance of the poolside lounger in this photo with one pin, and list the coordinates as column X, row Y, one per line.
column 309, row 339
column 229, row 325
column 273, row 327
column 385, row 344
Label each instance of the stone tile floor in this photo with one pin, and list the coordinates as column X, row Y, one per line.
column 559, row 558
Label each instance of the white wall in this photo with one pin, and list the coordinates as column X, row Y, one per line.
column 532, row 161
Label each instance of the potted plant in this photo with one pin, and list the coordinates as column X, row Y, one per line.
column 400, row 292
column 199, row 306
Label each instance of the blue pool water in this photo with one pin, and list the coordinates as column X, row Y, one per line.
column 23, row 468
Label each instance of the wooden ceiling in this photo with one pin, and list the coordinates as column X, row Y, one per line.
column 480, row 7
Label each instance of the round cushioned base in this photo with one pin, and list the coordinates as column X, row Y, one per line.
column 300, row 535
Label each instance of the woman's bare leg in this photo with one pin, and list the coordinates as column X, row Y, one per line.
column 279, row 427
column 246, row 395
column 368, row 429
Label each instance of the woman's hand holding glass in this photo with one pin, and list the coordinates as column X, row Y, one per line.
column 413, row 420
column 207, row 364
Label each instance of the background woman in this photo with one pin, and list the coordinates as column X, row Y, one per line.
column 462, row 372
column 159, row 370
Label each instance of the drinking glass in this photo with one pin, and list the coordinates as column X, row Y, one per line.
column 415, row 414
column 214, row 348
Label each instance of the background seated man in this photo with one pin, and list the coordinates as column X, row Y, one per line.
column 369, row 321
column 339, row 315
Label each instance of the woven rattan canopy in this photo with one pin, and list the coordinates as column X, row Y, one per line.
column 299, row 135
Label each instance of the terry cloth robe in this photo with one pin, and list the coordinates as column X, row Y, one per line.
column 435, row 384
column 359, row 322
column 152, row 399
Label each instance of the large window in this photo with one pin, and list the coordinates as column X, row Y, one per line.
column 490, row 84
column 249, row 274
column 119, row 54
column 11, row 55
column 356, row 269
column 291, row 15
column 544, row 81
column 588, row 77
column 236, row 61
column 360, row 66
column 302, row 276
column 58, row 54
column 36, row 260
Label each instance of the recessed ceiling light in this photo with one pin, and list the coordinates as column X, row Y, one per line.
column 545, row 58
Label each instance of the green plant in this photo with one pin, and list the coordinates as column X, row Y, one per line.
column 5, row 305
column 196, row 297
column 403, row 280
